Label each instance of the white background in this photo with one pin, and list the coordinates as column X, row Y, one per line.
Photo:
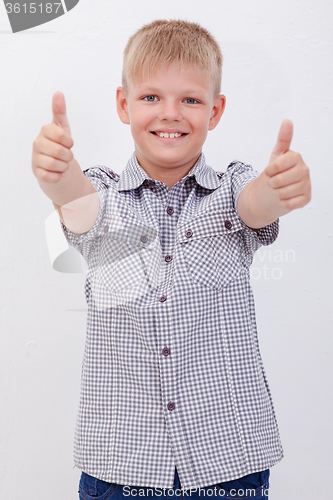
column 278, row 63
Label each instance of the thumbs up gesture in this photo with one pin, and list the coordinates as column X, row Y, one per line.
column 52, row 153
column 288, row 176
column 59, row 174
column 283, row 186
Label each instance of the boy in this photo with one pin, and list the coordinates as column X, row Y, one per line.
column 174, row 394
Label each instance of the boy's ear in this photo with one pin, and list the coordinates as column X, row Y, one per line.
column 122, row 106
column 217, row 111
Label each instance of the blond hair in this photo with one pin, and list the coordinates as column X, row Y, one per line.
column 162, row 42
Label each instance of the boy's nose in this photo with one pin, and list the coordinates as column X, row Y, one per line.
column 170, row 111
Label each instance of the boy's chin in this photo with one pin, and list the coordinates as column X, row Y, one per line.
column 168, row 161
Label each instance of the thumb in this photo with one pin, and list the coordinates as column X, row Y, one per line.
column 59, row 112
column 283, row 141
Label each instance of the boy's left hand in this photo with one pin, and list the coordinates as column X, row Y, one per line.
column 288, row 175
column 283, row 186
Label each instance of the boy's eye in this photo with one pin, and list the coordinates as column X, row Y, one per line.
column 191, row 100
column 150, row 98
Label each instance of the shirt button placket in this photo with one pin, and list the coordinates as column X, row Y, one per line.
column 170, row 211
column 166, row 359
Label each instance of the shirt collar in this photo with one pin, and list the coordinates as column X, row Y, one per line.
column 134, row 175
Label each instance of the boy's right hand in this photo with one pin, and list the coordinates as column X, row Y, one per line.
column 59, row 174
column 52, row 155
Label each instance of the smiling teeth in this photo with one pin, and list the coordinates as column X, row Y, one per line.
column 170, row 136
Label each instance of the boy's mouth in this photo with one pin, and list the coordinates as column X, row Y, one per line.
column 171, row 135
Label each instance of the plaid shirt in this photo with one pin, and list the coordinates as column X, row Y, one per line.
column 172, row 374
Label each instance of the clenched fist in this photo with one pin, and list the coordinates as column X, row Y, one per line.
column 59, row 174
column 52, row 153
column 289, row 176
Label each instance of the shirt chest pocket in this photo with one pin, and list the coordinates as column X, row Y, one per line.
column 211, row 247
column 128, row 256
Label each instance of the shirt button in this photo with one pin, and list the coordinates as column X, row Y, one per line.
column 168, row 258
column 188, row 234
column 171, row 406
column 112, row 175
column 106, row 228
column 162, row 298
column 144, row 238
column 228, row 224
column 166, row 351
column 170, row 210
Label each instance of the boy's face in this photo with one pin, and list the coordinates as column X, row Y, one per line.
column 170, row 114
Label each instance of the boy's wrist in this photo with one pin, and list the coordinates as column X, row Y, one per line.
column 257, row 206
column 72, row 186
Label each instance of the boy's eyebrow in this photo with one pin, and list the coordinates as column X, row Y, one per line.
column 155, row 90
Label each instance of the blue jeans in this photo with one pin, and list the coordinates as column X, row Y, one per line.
column 254, row 486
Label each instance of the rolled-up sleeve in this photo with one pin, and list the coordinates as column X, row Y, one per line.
column 101, row 179
column 241, row 175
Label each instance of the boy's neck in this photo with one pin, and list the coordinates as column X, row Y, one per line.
column 169, row 176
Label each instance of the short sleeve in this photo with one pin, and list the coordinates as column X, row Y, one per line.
column 241, row 176
column 102, row 179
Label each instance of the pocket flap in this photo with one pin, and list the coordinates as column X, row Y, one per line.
column 210, row 224
column 124, row 230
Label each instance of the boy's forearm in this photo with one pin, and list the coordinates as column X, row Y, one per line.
column 73, row 185
column 256, row 205
column 75, row 199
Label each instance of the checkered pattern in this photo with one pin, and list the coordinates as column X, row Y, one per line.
column 172, row 373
